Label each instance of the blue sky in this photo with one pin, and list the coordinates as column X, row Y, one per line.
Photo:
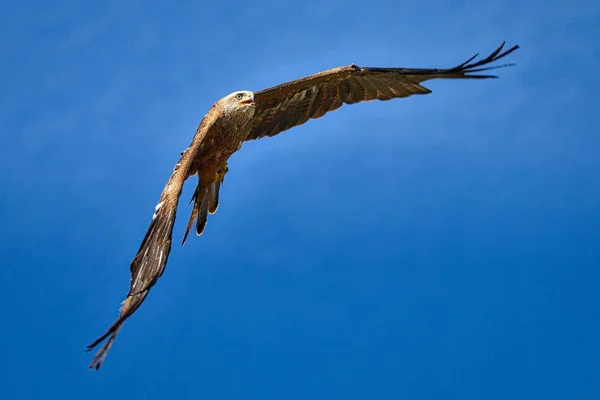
column 442, row 246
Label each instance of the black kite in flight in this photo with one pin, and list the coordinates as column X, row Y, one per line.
column 243, row 116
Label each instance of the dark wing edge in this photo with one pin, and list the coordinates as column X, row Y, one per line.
column 149, row 263
column 466, row 69
column 292, row 103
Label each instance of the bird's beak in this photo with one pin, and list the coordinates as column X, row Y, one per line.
column 248, row 102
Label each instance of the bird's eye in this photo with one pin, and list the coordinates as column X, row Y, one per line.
column 239, row 96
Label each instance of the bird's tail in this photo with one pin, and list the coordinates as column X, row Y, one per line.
column 213, row 197
column 128, row 307
column 199, row 211
column 206, row 201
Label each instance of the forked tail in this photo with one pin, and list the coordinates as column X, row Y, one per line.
column 206, row 201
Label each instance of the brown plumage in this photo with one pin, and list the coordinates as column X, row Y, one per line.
column 243, row 116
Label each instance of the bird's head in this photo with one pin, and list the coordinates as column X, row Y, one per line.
column 241, row 101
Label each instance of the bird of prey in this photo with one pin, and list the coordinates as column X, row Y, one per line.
column 243, row 116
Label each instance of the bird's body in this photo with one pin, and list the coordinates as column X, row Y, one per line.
column 243, row 116
column 227, row 126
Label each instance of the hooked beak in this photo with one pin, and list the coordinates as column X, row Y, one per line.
column 248, row 102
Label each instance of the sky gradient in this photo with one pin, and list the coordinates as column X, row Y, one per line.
column 440, row 246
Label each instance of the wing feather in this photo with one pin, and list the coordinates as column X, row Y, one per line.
column 150, row 261
column 315, row 110
column 371, row 90
column 290, row 104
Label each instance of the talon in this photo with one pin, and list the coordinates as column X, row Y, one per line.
column 221, row 173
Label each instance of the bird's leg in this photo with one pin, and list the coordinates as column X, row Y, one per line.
column 213, row 174
column 221, row 172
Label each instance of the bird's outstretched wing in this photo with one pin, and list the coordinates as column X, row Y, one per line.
column 151, row 258
column 290, row 104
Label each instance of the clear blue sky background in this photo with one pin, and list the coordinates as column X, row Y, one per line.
column 443, row 246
